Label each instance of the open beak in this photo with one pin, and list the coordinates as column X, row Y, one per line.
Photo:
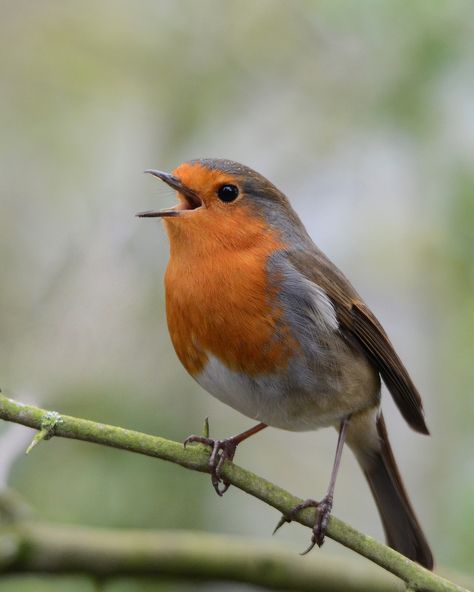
column 189, row 199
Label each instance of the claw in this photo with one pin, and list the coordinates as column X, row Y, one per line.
column 323, row 507
column 324, row 511
column 216, row 484
column 294, row 511
column 196, row 439
column 310, row 548
column 222, row 450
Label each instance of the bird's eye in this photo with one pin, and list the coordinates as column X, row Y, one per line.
column 228, row 193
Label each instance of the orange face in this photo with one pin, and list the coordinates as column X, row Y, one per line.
column 205, row 183
column 211, row 213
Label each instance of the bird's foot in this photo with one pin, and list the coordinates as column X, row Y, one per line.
column 222, row 450
column 323, row 508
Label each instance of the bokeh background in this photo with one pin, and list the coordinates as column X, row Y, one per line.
column 361, row 112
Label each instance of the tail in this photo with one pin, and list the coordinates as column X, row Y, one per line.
column 402, row 530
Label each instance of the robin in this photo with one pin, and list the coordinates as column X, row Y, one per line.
column 266, row 323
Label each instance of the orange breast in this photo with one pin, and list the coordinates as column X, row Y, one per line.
column 220, row 301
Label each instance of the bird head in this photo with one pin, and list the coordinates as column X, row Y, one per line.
column 222, row 203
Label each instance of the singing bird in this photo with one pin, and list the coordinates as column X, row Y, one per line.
column 267, row 324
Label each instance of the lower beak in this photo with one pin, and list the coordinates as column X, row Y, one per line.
column 158, row 214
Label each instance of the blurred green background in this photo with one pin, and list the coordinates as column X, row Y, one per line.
column 361, row 112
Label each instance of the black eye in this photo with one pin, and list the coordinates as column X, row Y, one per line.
column 228, row 193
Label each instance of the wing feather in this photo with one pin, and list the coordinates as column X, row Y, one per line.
column 359, row 323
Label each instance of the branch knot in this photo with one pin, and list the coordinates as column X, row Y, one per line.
column 49, row 421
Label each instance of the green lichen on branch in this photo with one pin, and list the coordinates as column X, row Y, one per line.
column 196, row 458
column 48, row 424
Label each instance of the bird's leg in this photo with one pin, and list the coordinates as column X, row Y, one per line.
column 323, row 507
column 222, row 450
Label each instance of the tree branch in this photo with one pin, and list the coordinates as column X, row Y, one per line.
column 41, row 548
column 196, row 458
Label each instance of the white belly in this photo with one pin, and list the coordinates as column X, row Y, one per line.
column 299, row 404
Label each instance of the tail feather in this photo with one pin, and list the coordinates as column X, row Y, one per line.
column 402, row 530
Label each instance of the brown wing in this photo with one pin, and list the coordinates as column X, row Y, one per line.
column 357, row 321
column 360, row 321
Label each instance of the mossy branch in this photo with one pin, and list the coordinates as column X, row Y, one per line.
column 196, row 458
column 110, row 553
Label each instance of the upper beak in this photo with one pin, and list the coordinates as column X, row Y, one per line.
column 175, row 183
